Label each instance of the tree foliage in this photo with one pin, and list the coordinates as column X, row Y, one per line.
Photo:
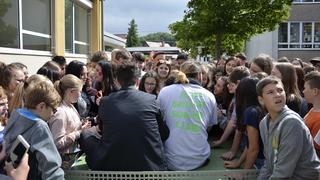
column 132, row 37
column 159, row 37
column 225, row 26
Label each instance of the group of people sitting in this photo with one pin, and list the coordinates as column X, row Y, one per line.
column 130, row 113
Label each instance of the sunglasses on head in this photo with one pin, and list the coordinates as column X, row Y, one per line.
column 162, row 61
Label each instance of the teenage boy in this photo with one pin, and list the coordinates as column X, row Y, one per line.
column 312, row 95
column 288, row 146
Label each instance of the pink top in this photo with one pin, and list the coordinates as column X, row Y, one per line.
column 65, row 127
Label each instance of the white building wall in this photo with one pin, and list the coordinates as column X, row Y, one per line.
column 263, row 43
column 34, row 62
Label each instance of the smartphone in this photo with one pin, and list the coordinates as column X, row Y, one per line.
column 19, row 148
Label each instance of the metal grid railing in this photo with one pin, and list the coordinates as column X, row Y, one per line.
column 162, row 175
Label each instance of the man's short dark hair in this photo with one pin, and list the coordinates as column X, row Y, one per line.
column 239, row 73
column 127, row 73
column 241, row 56
column 60, row 60
column 266, row 81
column 313, row 79
column 183, row 56
column 138, row 57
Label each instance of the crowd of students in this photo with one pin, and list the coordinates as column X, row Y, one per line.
column 131, row 113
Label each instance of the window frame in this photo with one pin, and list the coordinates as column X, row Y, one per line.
column 86, row 4
column 288, row 44
column 20, row 49
column 302, row 2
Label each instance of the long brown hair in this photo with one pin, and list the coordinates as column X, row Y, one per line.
column 289, row 79
column 3, row 95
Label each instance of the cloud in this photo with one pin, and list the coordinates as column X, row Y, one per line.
column 150, row 15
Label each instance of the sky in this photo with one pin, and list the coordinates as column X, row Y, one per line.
column 150, row 15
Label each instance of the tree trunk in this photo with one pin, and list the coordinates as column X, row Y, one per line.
column 217, row 49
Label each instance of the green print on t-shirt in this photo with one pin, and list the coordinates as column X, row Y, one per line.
column 184, row 111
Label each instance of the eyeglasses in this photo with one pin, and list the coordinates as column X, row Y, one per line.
column 149, row 84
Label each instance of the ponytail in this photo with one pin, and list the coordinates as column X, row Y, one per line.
column 57, row 86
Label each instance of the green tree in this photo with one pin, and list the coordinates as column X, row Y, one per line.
column 132, row 37
column 159, row 37
column 225, row 26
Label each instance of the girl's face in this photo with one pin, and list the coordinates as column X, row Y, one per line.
column 232, row 87
column 205, row 79
column 230, row 66
column 150, row 84
column 276, row 72
column 217, row 75
column 3, row 107
column 163, row 71
column 84, row 74
column 72, row 95
column 17, row 78
column 254, row 69
column 99, row 74
column 218, row 87
column 221, row 63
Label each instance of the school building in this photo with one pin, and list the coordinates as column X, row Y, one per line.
column 32, row 31
column 299, row 36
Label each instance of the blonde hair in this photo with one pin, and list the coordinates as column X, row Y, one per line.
column 41, row 91
column 180, row 77
column 17, row 100
column 176, row 77
column 66, row 82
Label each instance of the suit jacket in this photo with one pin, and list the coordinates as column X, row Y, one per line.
column 131, row 139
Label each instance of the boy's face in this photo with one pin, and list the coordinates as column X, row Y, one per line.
column 309, row 93
column 273, row 98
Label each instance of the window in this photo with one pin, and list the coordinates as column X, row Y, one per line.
column 9, row 25
column 283, row 32
column 305, row 1
column 77, row 28
column 26, row 24
column 316, row 35
column 299, row 35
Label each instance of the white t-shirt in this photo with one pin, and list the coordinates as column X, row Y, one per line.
column 188, row 111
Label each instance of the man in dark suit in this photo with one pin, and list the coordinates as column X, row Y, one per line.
column 132, row 130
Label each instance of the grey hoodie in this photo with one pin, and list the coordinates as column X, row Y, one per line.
column 44, row 159
column 288, row 148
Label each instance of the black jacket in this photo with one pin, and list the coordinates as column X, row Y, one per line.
column 131, row 138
